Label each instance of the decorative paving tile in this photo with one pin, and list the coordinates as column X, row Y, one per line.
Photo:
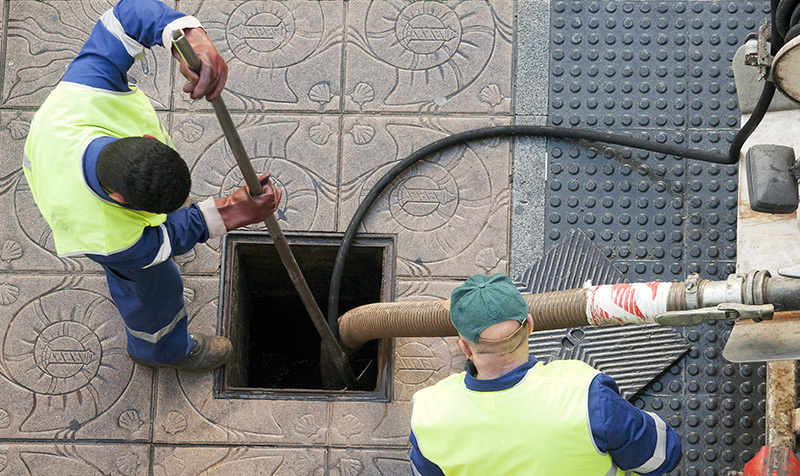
column 280, row 55
column 66, row 368
column 239, row 460
column 369, row 462
column 31, row 459
column 44, row 37
column 370, row 424
column 450, row 56
column 450, row 211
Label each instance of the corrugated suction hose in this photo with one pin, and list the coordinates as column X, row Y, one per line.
column 555, row 310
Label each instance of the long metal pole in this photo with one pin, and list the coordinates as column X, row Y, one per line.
column 330, row 345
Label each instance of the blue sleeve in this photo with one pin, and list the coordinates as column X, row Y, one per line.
column 103, row 62
column 420, row 465
column 182, row 230
column 144, row 20
column 636, row 440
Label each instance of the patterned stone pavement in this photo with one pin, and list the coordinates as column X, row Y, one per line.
column 327, row 95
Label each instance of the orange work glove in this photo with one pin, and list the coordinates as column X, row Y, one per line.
column 240, row 208
column 213, row 71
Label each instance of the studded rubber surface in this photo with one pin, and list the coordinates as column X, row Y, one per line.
column 660, row 70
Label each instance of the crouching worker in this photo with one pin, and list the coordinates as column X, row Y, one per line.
column 511, row 415
column 108, row 182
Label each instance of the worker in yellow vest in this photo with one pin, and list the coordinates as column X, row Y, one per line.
column 103, row 173
column 511, row 415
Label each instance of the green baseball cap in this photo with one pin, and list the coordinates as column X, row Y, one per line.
column 483, row 301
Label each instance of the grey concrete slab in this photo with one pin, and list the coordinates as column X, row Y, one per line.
column 435, row 57
column 299, row 151
column 527, row 198
column 239, row 460
column 42, row 39
column 67, row 373
column 369, row 462
column 533, row 60
column 450, row 212
column 59, row 459
column 281, row 55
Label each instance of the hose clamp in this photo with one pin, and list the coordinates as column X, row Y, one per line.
column 690, row 290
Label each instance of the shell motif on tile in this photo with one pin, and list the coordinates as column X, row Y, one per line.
column 186, row 258
column 3, row 460
column 350, row 425
column 306, row 425
column 5, row 419
column 321, row 93
column 18, row 128
column 10, row 251
column 362, row 94
column 362, row 133
column 191, row 131
column 174, row 423
column 130, row 421
column 128, row 464
column 188, row 295
column 8, row 294
column 319, row 133
column 350, row 467
column 487, row 259
column 491, row 95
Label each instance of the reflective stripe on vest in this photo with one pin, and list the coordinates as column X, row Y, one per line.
column 538, row 427
column 72, row 116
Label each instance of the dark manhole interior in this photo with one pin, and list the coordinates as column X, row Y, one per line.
column 276, row 348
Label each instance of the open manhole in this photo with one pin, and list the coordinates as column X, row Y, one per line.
column 276, row 348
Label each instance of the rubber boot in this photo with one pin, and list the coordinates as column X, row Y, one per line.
column 208, row 353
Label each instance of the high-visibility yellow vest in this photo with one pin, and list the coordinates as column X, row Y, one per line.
column 71, row 117
column 539, row 427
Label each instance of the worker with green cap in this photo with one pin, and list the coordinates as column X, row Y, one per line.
column 510, row 415
column 105, row 176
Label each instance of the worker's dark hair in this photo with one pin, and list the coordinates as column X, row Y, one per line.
column 150, row 176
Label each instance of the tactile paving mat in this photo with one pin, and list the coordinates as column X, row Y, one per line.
column 660, row 71
column 632, row 355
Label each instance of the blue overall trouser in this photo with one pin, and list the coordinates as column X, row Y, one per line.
column 151, row 303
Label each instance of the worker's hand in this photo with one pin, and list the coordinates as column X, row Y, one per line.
column 240, row 208
column 213, row 71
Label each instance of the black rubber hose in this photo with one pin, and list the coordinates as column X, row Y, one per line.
column 782, row 15
column 478, row 134
column 777, row 7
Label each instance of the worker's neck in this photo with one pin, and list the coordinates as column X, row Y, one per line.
column 491, row 366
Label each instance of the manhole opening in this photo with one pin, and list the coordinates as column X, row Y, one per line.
column 276, row 348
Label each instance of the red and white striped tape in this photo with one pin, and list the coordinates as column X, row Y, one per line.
column 626, row 303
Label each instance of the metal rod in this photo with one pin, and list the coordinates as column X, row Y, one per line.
column 330, row 344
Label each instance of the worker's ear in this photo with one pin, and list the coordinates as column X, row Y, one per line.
column 462, row 343
column 149, row 136
column 530, row 323
column 117, row 197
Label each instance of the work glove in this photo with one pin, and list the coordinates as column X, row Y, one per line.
column 213, row 70
column 240, row 208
